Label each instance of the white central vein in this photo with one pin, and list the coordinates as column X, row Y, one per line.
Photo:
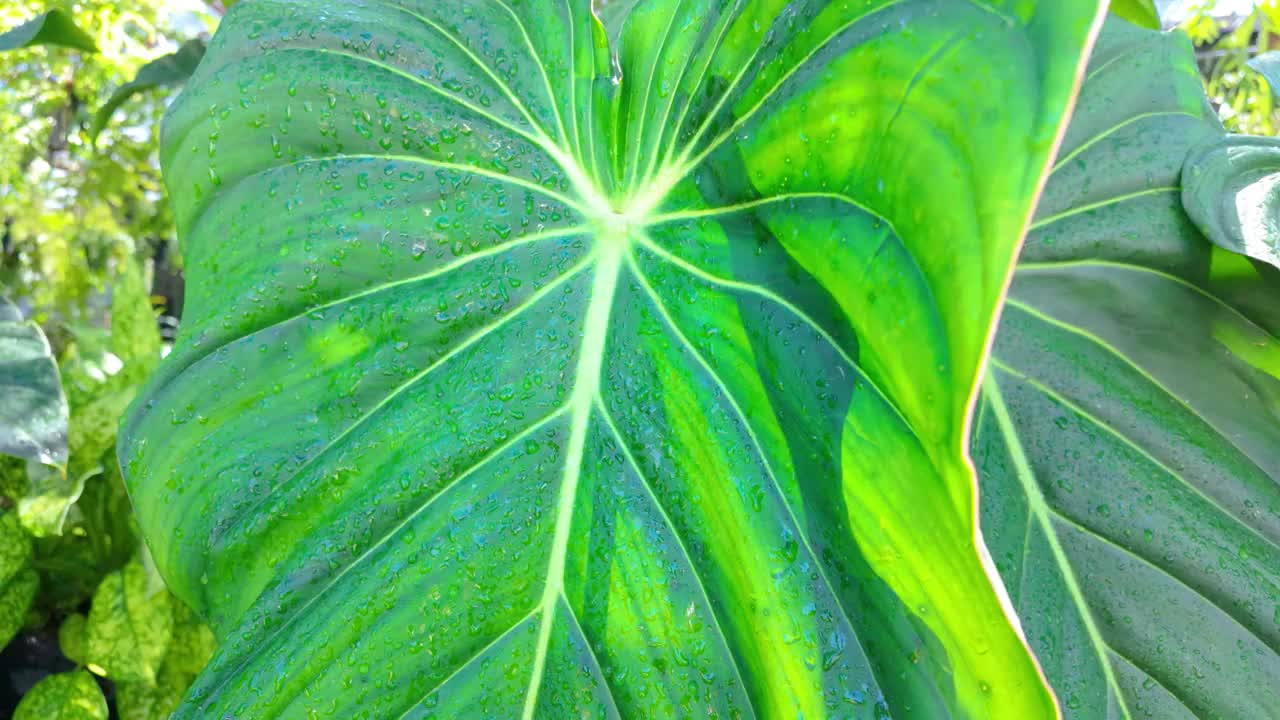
column 586, row 385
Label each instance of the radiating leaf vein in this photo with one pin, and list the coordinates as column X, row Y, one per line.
column 1081, row 209
column 731, row 399
column 687, row 164
column 1146, row 455
column 535, row 138
column 1089, row 533
column 1111, row 349
column 786, row 305
column 1117, row 655
column 1108, row 132
column 647, row 484
column 533, row 299
column 1038, row 507
column 542, row 66
column 429, row 275
column 480, row 64
column 293, row 615
column 577, row 627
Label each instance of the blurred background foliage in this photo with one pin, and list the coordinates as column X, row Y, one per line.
column 1227, row 35
column 89, row 261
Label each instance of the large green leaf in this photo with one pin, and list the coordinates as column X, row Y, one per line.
column 531, row 368
column 1128, row 444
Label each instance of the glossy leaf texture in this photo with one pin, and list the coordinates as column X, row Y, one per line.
column 538, row 368
column 1128, row 438
column 1268, row 65
column 1231, row 190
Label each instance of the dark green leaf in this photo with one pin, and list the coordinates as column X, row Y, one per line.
column 169, row 71
column 33, row 411
column 524, row 374
column 1128, row 442
column 54, row 27
column 1231, row 190
column 64, row 696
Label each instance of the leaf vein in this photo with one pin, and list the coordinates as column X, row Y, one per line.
column 1129, row 442
column 1040, row 509
column 684, row 549
column 294, row 615
column 536, row 139
column 398, row 390
column 759, row 449
column 573, row 616
column 1108, row 347
column 483, row 66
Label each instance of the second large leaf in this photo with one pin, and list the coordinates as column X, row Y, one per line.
column 534, row 368
column 1129, row 442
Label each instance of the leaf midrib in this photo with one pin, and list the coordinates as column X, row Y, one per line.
column 611, row 248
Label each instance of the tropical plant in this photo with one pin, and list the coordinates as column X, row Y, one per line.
column 585, row 413
column 536, row 365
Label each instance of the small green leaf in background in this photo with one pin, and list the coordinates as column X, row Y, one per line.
column 64, row 696
column 135, row 338
column 143, row 701
column 1142, row 13
column 71, row 638
column 100, row 374
column 168, row 71
column 129, row 627
column 54, row 27
column 1268, row 66
column 193, row 643
column 18, row 582
column 52, row 491
column 153, row 690
column 189, row 650
column 33, row 410
column 1231, row 190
